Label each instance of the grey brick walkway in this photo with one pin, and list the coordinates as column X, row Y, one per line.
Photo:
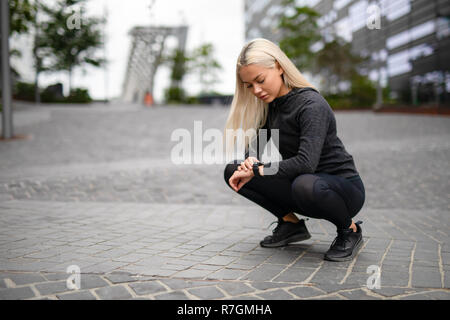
column 94, row 187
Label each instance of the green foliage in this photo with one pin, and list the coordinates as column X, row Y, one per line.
column 23, row 91
column 300, row 31
column 69, row 46
column 21, row 13
column 205, row 65
column 179, row 68
column 200, row 62
column 79, row 95
column 362, row 95
column 335, row 62
column 363, row 91
column 174, row 95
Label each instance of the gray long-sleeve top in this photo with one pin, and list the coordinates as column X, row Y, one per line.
column 308, row 141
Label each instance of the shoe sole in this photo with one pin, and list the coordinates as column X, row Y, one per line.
column 350, row 257
column 282, row 243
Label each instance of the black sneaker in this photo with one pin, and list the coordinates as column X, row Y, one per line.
column 286, row 232
column 345, row 245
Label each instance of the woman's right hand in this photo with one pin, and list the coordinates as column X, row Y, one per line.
column 247, row 164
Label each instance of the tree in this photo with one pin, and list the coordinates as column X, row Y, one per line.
column 70, row 37
column 21, row 13
column 178, row 61
column 301, row 32
column 336, row 63
column 205, row 66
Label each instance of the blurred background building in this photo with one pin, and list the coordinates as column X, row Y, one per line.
column 144, row 59
column 409, row 51
column 405, row 44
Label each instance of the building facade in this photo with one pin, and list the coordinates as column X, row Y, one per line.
column 407, row 40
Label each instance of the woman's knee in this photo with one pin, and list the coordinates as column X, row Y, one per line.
column 303, row 188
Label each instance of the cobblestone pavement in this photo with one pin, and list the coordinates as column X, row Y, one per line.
column 94, row 187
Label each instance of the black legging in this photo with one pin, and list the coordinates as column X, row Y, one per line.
column 318, row 195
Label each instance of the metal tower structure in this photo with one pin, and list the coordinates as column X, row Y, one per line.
column 145, row 56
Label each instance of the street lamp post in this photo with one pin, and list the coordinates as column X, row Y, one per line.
column 7, row 128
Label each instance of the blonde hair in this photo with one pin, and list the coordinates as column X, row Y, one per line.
column 247, row 111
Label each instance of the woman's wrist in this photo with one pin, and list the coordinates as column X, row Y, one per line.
column 261, row 170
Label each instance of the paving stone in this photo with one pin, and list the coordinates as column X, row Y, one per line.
column 207, row 267
column 56, row 276
column 207, row 293
column 264, row 272
column 16, row 293
column 306, row 291
column 295, row 274
column 77, row 295
column 52, row 287
column 23, row 278
column 193, row 273
column 245, row 297
column 121, row 277
column 89, row 281
column 308, row 262
column 264, row 285
column 113, row 293
column 418, row 296
column 439, row 295
column 357, row 294
column 250, row 260
column 327, row 276
column 219, row 260
column 426, row 279
column 174, row 295
column 275, row 295
column 392, row 278
column 183, row 284
column 330, row 297
column 235, row 288
column 392, row 292
column 145, row 288
column 227, row 274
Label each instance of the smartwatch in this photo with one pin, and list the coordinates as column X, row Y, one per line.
column 255, row 168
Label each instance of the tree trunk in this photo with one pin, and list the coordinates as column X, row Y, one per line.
column 37, row 96
column 70, row 80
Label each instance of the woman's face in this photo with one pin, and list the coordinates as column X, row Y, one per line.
column 265, row 83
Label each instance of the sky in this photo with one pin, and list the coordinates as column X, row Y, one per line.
column 220, row 22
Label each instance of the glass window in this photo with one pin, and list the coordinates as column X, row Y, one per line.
column 412, row 34
column 398, row 63
column 394, row 9
column 344, row 29
column 358, row 14
column 339, row 4
column 443, row 27
column 398, row 39
column 421, row 50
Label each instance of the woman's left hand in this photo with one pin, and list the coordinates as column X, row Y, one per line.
column 240, row 178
